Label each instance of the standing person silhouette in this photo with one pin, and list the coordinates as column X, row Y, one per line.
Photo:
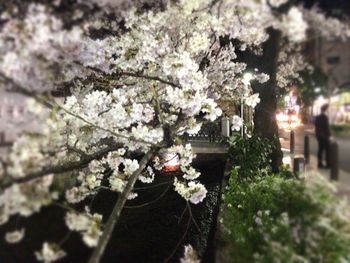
column 323, row 135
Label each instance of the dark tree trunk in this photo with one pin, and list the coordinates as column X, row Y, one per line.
column 264, row 118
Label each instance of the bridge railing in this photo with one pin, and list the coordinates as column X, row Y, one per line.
column 211, row 132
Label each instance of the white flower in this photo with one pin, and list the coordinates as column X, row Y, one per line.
column 132, row 196
column 88, row 225
column 258, row 221
column 121, row 151
column 91, row 240
column 117, row 184
column 130, row 166
column 237, row 123
column 92, row 181
column 3, row 218
column 190, row 255
column 198, row 42
column 277, row 3
column 14, row 236
column 262, row 77
column 148, row 177
column 50, row 252
column 200, row 192
column 210, row 107
column 252, row 100
column 294, row 25
column 191, row 174
column 193, row 192
column 75, row 195
column 77, row 222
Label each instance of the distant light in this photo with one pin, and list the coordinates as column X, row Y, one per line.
column 171, row 162
column 317, row 89
column 247, row 77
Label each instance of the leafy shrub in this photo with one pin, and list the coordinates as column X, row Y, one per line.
column 249, row 156
column 275, row 219
column 341, row 130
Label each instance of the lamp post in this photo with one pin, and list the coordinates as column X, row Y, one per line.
column 247, row 77
column 242, row 115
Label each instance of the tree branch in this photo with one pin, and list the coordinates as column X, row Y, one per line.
column 19, row 89
column 66, row 167
column 140, row 75
column 114, row 217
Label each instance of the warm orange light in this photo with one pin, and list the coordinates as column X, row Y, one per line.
column 288, row 121
column 171, row 162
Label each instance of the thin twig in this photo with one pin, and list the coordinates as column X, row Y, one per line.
column 58, row 169
column 151, row 186
column 17, row 88
column 180, row 240
column 192, row 217
column 140, row 75
column 150, row 202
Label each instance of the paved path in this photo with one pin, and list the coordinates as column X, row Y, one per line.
column 344, row 155
column 343, row 144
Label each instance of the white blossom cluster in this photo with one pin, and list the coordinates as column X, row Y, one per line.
column 187, row 187
column 26, row 199
column 277, row 3
column 294, row 25
column 326, row 27
column 30, row 46
column 132, row 91
column 290, row 63
column 237, row 123
column 50, row 252
column 86, row 224
column 190, row 255
column 14, row 236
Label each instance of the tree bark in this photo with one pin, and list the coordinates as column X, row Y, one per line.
column 264, row 118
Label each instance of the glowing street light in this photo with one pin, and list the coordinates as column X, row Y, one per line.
column 247, row 77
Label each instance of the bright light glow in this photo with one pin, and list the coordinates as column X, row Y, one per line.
column 281, row 117
column 318, row 103
column 247, row 77
column 288, row 121
column 294, row 118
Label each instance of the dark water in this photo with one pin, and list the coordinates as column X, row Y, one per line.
column 150, row 234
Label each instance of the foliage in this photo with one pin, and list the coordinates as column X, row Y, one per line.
column 275, row 219
column 250, row 156
column 311, row 81
column 341, row 130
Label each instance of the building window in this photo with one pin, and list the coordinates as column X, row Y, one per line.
column 333, row 60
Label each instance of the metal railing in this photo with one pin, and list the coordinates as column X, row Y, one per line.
column 210, row 132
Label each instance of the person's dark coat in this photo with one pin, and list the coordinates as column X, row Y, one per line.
column 322, row 127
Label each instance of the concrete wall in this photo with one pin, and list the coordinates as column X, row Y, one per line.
column 333, row 56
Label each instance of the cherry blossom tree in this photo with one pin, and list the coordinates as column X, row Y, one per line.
column 136, row 77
